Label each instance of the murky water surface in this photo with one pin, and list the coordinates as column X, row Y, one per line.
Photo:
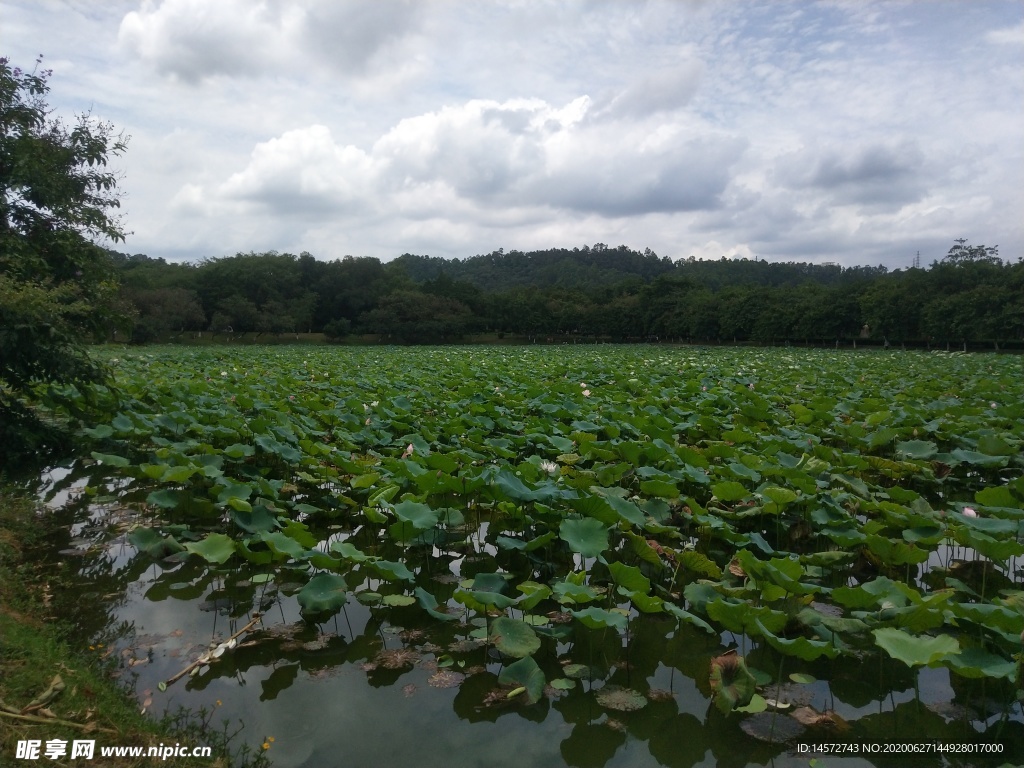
column 396, row 688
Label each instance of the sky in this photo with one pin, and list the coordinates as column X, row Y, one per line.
column 847, row 131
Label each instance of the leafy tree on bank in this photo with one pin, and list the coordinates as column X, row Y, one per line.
column 971, row 296
column 57, row 286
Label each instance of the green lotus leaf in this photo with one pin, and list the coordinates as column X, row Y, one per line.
column 429, row 603
column 392, row 571
column 239, row 451
column 483, row 601
column 664, row 489
column 568, row 592
column 153, row 543
column 917, row 449
column 283, row 546
column 258, row 557
column 166, row 498
column 586, row 536
column 350, row 552
column 975, row 662
column 533, row 593
column 513, row 638
column 978, row 459
column 527, row 674
column 999, row 496
column 781, row 496
column 688, row 618
column 490, row 582
column 300, row 532
column 742, row 618
column 323, row 592
column 110, row 459
column 507, row 542
column 599, row 618
column 876, row 591
column 364, row 480
column 728, row 491
column 801, row 647
column 214, row 548
column 256, row 520
column 895, row 552
column 915, row 650
column 698, row 562
column 629, row 577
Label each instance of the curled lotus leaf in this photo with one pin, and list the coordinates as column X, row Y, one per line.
column 527, row 674
column 732, row 683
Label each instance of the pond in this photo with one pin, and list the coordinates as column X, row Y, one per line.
column 398, row 617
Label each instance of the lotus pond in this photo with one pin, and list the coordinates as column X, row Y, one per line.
column 584, row 556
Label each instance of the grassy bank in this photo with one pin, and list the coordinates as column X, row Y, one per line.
column 50, row 691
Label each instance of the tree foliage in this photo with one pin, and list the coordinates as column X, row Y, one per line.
column 602, row 293
column 57, row 285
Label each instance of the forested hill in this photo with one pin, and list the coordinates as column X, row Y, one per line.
column 578, row 269
column 599, row 266
column 594, row 293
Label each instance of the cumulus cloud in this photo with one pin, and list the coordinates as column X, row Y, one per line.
column 838, row 130
column 305, row 173
column 194, row 40
column 468, row 159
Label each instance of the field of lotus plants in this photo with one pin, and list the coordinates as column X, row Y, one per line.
column 759, row 547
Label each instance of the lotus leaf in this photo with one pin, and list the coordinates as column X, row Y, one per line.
column 527, row 674
column 621, row 699
column 430, row 605
column 586, row 536
column 731, row 682
column 214, row 548
column 599, row 618
column 324, row 592
column 915, row 650
column 153, row 544
column 513, row 638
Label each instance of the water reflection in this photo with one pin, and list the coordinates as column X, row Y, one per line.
column 388, row 685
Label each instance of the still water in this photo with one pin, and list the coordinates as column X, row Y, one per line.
column 395, row 688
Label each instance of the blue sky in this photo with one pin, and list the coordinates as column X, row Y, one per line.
column 850, row 131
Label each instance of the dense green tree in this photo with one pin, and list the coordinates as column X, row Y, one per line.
column 57, row 287
column 162, row 311
column 413, row 317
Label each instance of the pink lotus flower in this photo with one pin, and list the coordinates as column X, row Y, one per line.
column 970, row 512
column 410, row 449
column 586, row 393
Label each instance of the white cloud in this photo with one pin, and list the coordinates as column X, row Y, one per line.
column 463, row 162
column 1007, row 36
column 851, row 130
column 194, row 40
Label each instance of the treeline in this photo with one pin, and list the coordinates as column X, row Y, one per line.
column 589, row 293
